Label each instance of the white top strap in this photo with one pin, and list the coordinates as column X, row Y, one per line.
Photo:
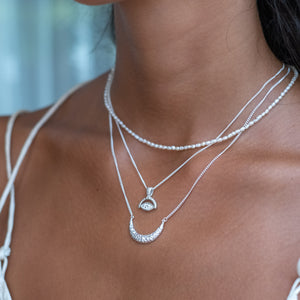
column 295, row 290
column 11, row 175
column 29, row 141
column 5, row 249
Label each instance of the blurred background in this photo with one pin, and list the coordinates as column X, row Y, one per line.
column 48, row 46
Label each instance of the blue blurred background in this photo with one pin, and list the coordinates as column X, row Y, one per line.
column 48, row 46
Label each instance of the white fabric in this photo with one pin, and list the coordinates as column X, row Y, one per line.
column 9, row 190
column 4, row 292
column 295, row 290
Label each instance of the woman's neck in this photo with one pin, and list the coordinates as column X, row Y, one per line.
column 187, row 66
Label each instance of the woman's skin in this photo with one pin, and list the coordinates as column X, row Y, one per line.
column 183, row 70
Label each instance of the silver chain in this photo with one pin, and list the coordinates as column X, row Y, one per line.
column 248, row 121
column 199, row 151
column 218, row 139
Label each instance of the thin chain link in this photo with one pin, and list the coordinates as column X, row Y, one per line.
column 117, row 166
column 248, row 121
column 199, row 151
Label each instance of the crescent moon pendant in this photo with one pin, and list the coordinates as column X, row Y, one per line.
column 147, row 238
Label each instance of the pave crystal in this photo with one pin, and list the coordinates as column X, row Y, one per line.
column 147, row 206
column 145, row 238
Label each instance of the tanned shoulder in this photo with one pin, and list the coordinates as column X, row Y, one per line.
column 80, row 115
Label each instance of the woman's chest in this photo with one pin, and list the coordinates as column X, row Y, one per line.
column 72, row 247
column 237, row 236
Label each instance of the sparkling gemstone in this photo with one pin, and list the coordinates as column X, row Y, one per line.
column 145, row 238
column 147, row 206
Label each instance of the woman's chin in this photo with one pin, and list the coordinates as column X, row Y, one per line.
column 96, row 2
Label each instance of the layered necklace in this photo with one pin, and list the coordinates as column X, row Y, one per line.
column 148, row 203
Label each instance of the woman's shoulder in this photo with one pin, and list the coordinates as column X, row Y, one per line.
column 81, row 114
column 79, row 105
column 73, row 126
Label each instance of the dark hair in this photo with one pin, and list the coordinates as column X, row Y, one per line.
column 280, row 21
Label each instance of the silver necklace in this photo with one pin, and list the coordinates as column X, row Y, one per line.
column 109, row 106
column 141, row 238
column 149, row 203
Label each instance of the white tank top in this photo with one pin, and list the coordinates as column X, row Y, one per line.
column 9, row 191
